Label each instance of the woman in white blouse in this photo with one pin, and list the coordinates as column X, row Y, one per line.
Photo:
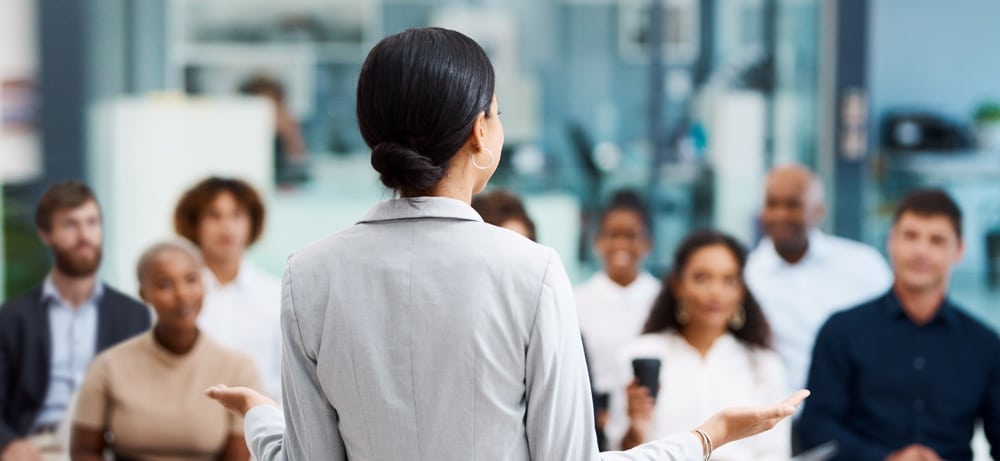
column 422, row 332
column 713, row 343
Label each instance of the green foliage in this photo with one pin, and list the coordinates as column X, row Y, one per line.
column 987, row 112
column 27, row 260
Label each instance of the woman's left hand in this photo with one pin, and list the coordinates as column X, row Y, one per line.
column 238, row 399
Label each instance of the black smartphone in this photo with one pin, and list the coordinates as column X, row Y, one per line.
column 601, row 400
column 647, row 373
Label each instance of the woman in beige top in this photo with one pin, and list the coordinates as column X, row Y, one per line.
column 141, row 399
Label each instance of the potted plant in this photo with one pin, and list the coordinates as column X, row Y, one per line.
column 987, row 118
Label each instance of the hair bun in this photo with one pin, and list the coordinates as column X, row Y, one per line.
column 404, row 169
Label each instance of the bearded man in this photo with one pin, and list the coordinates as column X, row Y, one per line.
column 49, row 336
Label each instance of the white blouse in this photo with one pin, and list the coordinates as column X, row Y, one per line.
column 693, row 388
column 245, row 315
column 612, row 316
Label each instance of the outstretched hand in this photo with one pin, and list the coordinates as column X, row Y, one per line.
column 238, row 399
column 737, row 423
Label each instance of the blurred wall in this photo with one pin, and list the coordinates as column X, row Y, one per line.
column 19, row 158
column 941, row 56
column 934, row 54
column 17, row 38
column 572, row 48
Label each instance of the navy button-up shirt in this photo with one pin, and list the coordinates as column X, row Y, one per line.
column 880, row 382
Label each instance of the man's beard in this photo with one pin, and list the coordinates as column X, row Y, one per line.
column 77, row 266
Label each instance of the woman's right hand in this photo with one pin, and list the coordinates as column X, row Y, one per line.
column 640, row 407
column 736, row 423
column 238, row 399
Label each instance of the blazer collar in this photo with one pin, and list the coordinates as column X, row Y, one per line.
column 420, row 208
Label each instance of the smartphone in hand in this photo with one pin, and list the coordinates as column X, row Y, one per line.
column 647, row 373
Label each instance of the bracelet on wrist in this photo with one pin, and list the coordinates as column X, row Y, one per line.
column 706, row 443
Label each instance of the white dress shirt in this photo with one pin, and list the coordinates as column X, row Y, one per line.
column 245, row 315
column 835, row 274
column 693, row 388
column 407, row 338
column 611, row 316
column 74, row 343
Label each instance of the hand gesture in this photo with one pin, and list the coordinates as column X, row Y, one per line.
column 238, row 399
column 737, row 423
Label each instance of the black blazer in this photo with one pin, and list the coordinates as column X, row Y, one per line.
column 26, row 352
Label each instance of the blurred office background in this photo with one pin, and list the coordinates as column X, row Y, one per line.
column 687, row 101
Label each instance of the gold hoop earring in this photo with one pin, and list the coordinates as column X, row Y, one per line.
column 492, row 158
column 739, row 319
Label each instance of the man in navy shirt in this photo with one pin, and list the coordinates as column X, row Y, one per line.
column 907, row 375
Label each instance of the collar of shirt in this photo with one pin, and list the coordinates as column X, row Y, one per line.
column 421, row 208
column 50, row 293
column 819, row 250
column 723, row 346
column 639, row 285
column 893, row 308
column 244, row 277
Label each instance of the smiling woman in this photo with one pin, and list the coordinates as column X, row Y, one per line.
column 224, row 217
column 615, row 302
column 169, row 364
column 705, row 324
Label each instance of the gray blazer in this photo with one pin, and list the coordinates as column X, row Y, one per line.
column 422, row 333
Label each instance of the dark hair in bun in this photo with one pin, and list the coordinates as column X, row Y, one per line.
column 403, row 169
column 419, row 94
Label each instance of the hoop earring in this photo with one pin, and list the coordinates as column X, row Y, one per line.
column 683, row 317
column 739, row 319
column 492, row 158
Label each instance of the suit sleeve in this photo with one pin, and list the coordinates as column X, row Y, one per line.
column 559, row 419
column 310, row 429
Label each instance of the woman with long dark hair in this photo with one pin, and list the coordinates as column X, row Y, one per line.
column 713, row 343
column 422, row 332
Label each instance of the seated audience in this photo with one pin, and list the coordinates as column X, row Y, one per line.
column 800, row 274
column 907, row 375
column 504, row 209
column 613, row 305
column 713, row 344
column 143, row 399
column 224, row 217
column 49, row 335
column 615, row 302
